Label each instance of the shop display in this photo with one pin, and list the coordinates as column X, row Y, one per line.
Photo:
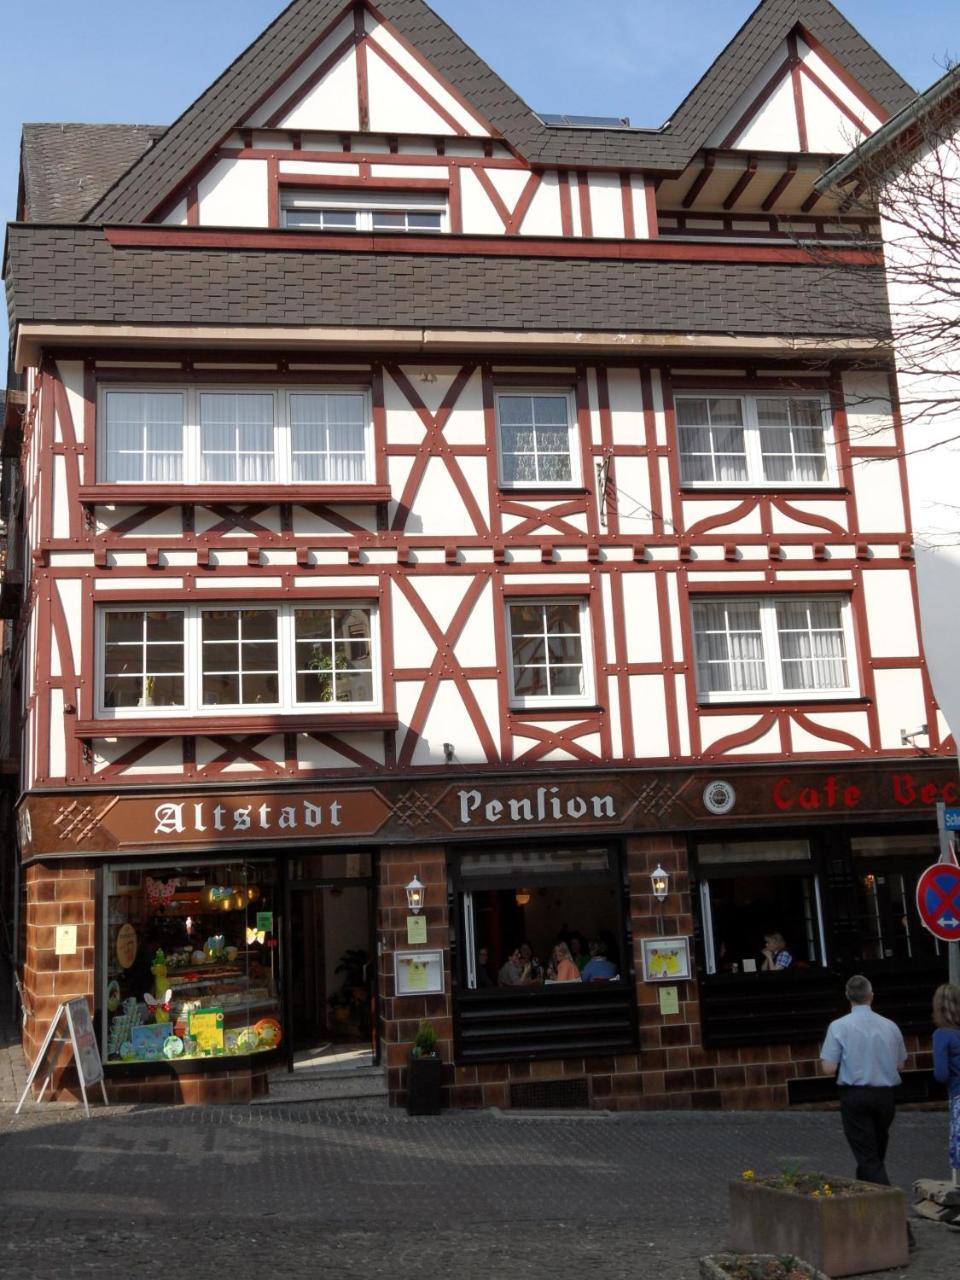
column 189, row 981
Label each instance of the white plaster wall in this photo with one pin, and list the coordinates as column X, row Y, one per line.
column 397, row 108
column 854, row 723
column 449, row 721
column 890, row 613
column 543, row 216
column 304, row 72
column 467, row 119
column 879, row 495
column 320, row 168
column 648, row 708
column 479, row 216
column 900, row 704
column 780, row 129
column 642, row 617
column 437, row 506
column 234, row 193
column 869, row 410
column 71, row 375
column 177, row 217
column 606, row 206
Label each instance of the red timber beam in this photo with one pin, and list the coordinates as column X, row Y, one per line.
column 740, row 186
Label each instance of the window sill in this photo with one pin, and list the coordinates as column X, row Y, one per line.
column 783, row 701
column 207, row 724
column 543, row 491
column 566, row 711
column 207, row 494
column 765, row 486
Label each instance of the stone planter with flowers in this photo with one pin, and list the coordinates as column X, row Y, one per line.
column 757, row 1266
column 838, row 1225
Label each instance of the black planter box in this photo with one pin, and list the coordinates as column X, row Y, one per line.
column 423, row 1086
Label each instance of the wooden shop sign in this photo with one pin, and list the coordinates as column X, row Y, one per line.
column 485, row 806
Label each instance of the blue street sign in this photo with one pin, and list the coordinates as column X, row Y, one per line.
column 951, row 819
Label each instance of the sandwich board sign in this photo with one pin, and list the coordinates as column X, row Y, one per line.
column 80, row 1036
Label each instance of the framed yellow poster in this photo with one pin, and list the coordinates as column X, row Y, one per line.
column 206, row 1027
column 419, row 973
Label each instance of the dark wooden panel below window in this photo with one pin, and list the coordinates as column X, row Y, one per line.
column 545, row 1022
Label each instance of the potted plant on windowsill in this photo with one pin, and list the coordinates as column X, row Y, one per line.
column 841, row 1226
column 424, row 1073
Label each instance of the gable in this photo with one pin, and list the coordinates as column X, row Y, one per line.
column 410, row 66
column 804, row 100
column 364, row 77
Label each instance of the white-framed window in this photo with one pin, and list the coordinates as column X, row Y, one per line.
column 319, row 209
column 207, row 435
column 549, row 652
column 237, row 658
column 771, row 440
column 143, row 436
column 536, row 434
column 780, row 647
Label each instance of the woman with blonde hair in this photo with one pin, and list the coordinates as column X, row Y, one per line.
column 946, row 1060
column 563, row 967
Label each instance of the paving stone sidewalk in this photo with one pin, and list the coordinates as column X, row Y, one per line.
column 312, row 1191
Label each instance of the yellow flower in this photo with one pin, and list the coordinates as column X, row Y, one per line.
column 826, row 1190
column 815, row 1194
column 748, row 1175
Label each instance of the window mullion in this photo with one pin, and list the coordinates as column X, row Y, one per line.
column 755, row 473
column 771, row 644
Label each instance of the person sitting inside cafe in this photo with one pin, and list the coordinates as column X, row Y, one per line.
column 563, row 967
column 598, row 968
column 776, row 957
column 514, row 972
column 484, row 977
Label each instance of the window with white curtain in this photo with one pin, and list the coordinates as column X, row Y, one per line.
column 784, row 646
column 144, row 436
column 236, row 437
column 202, row 435
column 328, row 437
column 753, row 439
column 217, row 658
column 537, row 439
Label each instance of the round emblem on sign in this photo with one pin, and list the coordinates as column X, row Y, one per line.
column 719, row 797
column 126, row 946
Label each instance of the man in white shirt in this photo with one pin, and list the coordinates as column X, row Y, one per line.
column 866, row 1053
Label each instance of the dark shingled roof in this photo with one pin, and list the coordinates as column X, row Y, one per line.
column 231, row 98
column 73, row 274
column 67, row 167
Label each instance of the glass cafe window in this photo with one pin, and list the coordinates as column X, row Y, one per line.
column 751, row 889
column 536, row 898
column 192, row 965
column 885, row 923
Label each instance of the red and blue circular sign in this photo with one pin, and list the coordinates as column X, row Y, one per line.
column 938, row 900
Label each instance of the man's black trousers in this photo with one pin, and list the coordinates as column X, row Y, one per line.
column 867, row 1114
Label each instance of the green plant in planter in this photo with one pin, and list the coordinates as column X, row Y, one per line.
column 325, row 664
column 425, row 1041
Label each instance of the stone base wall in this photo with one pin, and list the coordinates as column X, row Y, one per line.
column 54, row 894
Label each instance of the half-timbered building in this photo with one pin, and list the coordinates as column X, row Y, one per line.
column 415, row 488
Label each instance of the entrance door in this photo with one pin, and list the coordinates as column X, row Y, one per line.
column 331, row 959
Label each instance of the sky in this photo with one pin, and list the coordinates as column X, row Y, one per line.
column 136, row 62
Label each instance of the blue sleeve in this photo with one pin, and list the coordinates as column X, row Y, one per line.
column 831, row 1051
column 941, row 1055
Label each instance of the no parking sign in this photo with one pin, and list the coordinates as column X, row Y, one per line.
column 938, row 898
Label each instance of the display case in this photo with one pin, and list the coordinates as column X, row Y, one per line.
column 192, row 962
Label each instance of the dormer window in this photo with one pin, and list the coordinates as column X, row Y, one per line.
column 385, row 212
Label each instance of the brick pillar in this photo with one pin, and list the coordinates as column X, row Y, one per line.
column 56, row 893
column 401, row 1015
column 674, row 1071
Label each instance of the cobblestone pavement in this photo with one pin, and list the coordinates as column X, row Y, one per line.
column 310, row 1191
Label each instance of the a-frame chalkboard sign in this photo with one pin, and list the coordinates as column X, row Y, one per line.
column 81, row 1038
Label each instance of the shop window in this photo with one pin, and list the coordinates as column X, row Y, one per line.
column 207, row 936
column 547, row 651
column 769, row 440
column 750, row 891
column 537, row 438
column 884, row 923
column 531, row 900
column 787, row 646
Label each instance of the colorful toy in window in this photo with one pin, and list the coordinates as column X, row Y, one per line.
column 215, row 946
column 159, row 1006
column 159, row 893
column 158, row 968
